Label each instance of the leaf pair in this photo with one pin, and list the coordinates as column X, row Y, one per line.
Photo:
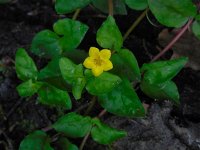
column 74, row 125
column 48, row 94
column 156, row 82
column 67, row 35
column 39, row 140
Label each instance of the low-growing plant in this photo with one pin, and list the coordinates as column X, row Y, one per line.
column 108, row 73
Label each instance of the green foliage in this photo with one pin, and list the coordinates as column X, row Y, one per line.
column 73, row 125
column 65, row 144
column 172, row 13
column 46, row 43
column 137, row 4
column 109, row 35
column 162, row 71
column 162, row 91
column 71, row 33
column 156, row 82
column 25, row 66
column 104, row 134
column 101, row 84
column 122, row 101
column 67, row 35
column 68, row 6
column 38, row 140
column 119, row 6
column 125, row 65
column 53, row 96
column 73, row 74
column 196, row 28
column 28, row 88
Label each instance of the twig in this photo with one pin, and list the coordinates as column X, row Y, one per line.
column 84, row 140
column 76, row 14
column 173, row 41
column 103, row 112
column 110, row 7
column 93, row 101
column 135, row 23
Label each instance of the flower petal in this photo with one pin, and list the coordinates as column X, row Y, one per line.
column 105, row 54
column 93, row 52
column 89, row 63
column 107, row 65
column 97, row 71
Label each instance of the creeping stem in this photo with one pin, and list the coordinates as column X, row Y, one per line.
column 173, row 41
column 110, row 7
column 135, row 23
column 76, row 14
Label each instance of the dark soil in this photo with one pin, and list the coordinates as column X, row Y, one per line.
column 165, row 127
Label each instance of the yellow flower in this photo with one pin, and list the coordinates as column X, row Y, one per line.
column 98, row 61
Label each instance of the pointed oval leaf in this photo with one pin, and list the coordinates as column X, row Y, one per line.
column 172, row 13
column 73, row 74
column 73, row 125
column 53, row 96
column 38, row 140
column 109, row 35
column 65, row 144
column 28, row 88
column 122, row 101
column 68, row 6
column 46, row 44
column 102, row 84
column 161, row 71
column 163, row 91
column 25, row 66
column 119, row 6
column 103, row 134
column 72, row 33
column 126, row 65
column 196, row 28
column 137, row 4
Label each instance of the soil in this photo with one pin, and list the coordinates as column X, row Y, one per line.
column 165, row 127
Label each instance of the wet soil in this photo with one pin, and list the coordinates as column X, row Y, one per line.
column 165, row 127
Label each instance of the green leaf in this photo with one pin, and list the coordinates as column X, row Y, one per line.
column 103, row 134
column 119, row 6
column 109, row 35
column 167, row 90
column 68, row 6
column 38, row 140
column 46, row 44
column 25, row 66
column 72, row 32
column 101, row 84
column 126, row 65
column 122, row 101
column 73, row 74
column 172, row 13
column 28, row 88
column 53, row 96
column 51, row 70
column 73, row 125
column 137, row 4
column 196, row 29
column 65, row 144
column 161, row 71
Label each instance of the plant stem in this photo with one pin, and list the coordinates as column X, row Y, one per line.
column 173, row 41
column 135, row 23
column 110, row 7
column 47, row 128
column 76, row 14
column 103, row 112
column 93, row 101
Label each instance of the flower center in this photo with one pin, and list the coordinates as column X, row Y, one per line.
column 98, row 61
